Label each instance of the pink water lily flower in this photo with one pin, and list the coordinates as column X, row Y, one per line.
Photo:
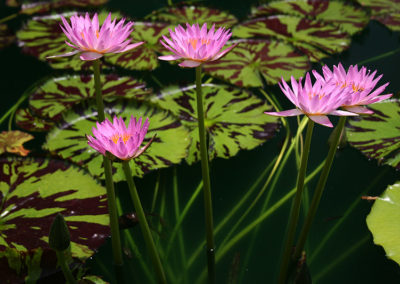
column 121, row 141
column 196, row 45
column 316, row 101
column 361, row 83
column 93, row 42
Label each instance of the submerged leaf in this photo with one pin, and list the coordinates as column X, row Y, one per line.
column 26, row 120
column 384, row 221
column 11, row 142
column 69, row 141
column 234, row 118
column 251, row 60
column 377, row 136
column 385, row 11
column 6, row 36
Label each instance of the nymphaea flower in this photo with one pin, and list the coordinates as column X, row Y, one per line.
column 121, row 141
column 314, row 100
column 361, row 82
column 93, row 42
column 196, row 45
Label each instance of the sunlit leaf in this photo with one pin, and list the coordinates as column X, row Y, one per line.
column 348, row 17
column 234, row 118
column 384, row 221
column 169, row 147
column 6, row 36
column 385, row 11
column 26, row 120
column 377, row 136
column 44, row 6
column 251, row 60
column 56, row 95
column 193, row 15
column 297, row 31
column 11, row 142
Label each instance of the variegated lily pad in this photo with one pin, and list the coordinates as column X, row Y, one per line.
column 59, row 94
column 296, row 31
column 11, row 142
column 385, row 11
column 26, row 120
column 34, row 191
column 384, row 221
column 6, row 36
column 348, row 17
column 251, row 60
column 36, row 7
column 234, row 118
column 169, row 147
column 192, row 15
column 378, row 136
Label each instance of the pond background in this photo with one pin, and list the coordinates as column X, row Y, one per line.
column 349, row 256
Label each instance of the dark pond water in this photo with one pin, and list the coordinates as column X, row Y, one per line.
column 349, row 255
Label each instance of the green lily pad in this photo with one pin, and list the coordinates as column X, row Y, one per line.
column 385, row 11
column 234, row 118
column 27, row 121
column 347, row 17
column 384, row 221
column 296, row 31
column 34, row 191
column 58, row 94
column 6, row 36
column 377, row 136
column 68, row 140
column 193, row 14
column 251, row 60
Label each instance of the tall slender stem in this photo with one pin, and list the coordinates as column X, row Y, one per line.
column 294, row 217
column 65, row 268
column 144, row 226
column 319, row 189
column 115, row 236
column 206, row 181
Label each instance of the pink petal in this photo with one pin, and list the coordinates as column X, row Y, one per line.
column 358, row 109
column 342, row 113
column 169, row 57
column 189, row 63
column 63, row 55
column 290, row 112
column 131, row 46
column 89, row 55
column 321, row 119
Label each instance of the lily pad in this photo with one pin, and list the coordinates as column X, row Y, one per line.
column 6, row 36
column 11, row 142
column 252, row 60
column 27, row 121
column 377, row 136
column 169, row 147
column 296, row 31
column 61, row 93
column 234, row 118
column 385, row 11
column 192, row 15
column 347, row 17
column 384, row 221
column 33, row 191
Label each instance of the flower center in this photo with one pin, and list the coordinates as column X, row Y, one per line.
column 357, row 88
column 125, row 137
column 193, row 42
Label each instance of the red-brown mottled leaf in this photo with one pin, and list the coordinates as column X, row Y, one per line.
column 385, row 11
column 27, row 121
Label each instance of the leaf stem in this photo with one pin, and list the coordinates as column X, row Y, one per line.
column 144, row 226
column 295, row 210
column 9, row 17
column 65, row 268
column 206, row 181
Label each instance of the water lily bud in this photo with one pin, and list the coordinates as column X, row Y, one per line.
column 59, row 237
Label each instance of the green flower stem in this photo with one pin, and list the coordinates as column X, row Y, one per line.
column 115, row 236
column 319, row 189
column 144, row 226
column 65, row 268
column 206, row 181
column 294, row 217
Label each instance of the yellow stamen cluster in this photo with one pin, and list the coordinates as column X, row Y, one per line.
column 125, row 137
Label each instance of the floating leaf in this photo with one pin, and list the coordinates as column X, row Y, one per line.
column 33, row 7
column 193, row 15
column 377, row 136
column 59, row 94
column 349, row 18
column 252, row 59
column 92, row 279
column 33, row 191
column 26, row 120
column 143, row 57
column 385, row 11
column 11, row 142
column 169, row 147
column 6, row 36
column 234, row 118
column 384, row 221
column 296, row 31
